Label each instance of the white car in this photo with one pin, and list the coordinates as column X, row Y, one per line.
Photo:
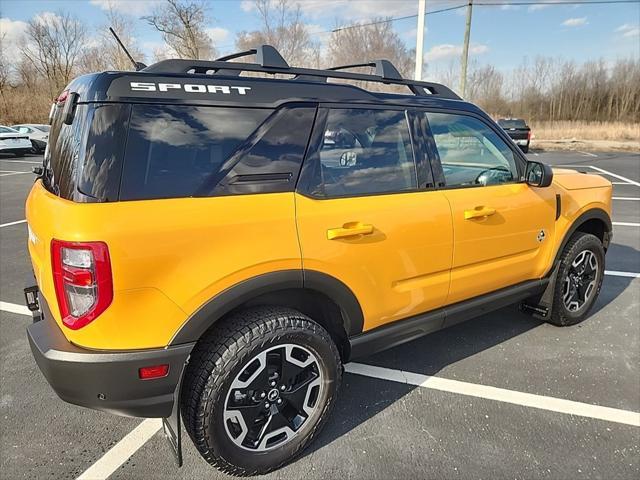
column 38, row 134
column 12, row 141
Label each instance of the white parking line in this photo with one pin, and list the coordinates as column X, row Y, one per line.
column 615, row 175
column 7, row 174
column 540, row 402
column 615, row 273
column 12, row 223
column 587, row 154
column 121, row 451
column 626, row 224
column 626, row 198
column 14, row 308
column 621, row 183
column 20, row 161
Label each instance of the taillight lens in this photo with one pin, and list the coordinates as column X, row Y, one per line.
column 82, row 278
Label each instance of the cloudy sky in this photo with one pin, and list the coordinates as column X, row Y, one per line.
column 501, row 34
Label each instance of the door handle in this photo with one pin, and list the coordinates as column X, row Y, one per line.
column 479, row 212
column 350, row 229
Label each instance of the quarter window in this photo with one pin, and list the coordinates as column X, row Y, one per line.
column 363, row 151
column 173, row 151
column 471, row 153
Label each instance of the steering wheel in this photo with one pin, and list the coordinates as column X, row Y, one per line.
column 493, row 175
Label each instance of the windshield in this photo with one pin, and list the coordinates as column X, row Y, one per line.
column 42, row 128
column 514, row 123
column 7, row 130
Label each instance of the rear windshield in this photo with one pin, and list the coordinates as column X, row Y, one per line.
column 42, row 128
column 515, row 123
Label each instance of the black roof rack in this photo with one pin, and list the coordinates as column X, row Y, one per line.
column 269, row 60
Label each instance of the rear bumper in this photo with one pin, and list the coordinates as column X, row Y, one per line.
column 106, row 381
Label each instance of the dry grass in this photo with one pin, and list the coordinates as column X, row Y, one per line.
column 579, row 130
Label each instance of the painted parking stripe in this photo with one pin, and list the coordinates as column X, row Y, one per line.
column 540, row 402
column 615, row 175
column 121, row 451
column 8, row 174
column 20, row 161
column 615, row 273
column 626, row 224
column 12, row 223
column 14, row 308
column 588, row 154
column 626, row 198
column 621, row 183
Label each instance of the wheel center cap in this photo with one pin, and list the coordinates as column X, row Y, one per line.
column 273, row 394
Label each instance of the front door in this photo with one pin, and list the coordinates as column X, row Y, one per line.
column 365, row 217
column 503, row 228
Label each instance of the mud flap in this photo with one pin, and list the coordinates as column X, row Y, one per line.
column 172, row 425
column 540, row 306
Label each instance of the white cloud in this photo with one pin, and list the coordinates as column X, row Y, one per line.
column 131, row 7
column 628, row 30
column 354, row 10
column 575, row 22
column 509, row 7
column 13, row 30
column 218, row 34
column 247, row 5
column 446, row 50
column 535, row 8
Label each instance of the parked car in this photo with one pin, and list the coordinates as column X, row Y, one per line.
column 518, row 130
column 200, row 250
column 12, row 141
column 38, row 134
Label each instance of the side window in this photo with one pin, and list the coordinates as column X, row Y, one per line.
column 176, row 151
column 470, row 152
column 270, row 161
column 362, row 151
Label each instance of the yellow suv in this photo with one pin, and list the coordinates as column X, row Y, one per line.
column 212, row 247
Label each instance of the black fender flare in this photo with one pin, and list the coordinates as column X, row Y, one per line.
column 227, row 300
column 594, row 213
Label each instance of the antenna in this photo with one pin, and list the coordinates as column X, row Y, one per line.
column 137, row 65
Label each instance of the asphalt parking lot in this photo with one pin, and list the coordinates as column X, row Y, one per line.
column 421, row 410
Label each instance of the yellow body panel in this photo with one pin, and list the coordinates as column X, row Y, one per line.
column 168, row 257
column 502, row 248
column 400, row 254
column 398, row 270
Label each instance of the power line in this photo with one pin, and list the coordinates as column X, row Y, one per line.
column 482, row 4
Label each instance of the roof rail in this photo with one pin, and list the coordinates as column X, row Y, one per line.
column 269, row 60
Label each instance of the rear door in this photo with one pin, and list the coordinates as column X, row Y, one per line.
column 502, row 226
column 368, row 216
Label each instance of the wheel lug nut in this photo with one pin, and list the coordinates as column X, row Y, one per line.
column 279, row 401
column 273, row 384
column 266, row 405
column 262, row 395
column 283, row 387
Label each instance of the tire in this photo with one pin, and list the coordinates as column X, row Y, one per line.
column 582, row 250
column 229, row 359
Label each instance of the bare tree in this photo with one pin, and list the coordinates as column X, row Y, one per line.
column 364, row 43
column 53, row 45
column 283, row 28
column 182, row 24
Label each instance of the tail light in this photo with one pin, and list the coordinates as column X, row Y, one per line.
column 83, row 282
column 529, row 135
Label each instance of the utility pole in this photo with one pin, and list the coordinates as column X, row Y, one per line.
column 420, row 39
column 465, row 50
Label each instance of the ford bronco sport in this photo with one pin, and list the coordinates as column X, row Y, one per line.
column 210, row 248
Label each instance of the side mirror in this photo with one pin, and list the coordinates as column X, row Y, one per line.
column 538, row 174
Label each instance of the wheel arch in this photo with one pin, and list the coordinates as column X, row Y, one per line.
column 321, row 297
column 594, row 221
